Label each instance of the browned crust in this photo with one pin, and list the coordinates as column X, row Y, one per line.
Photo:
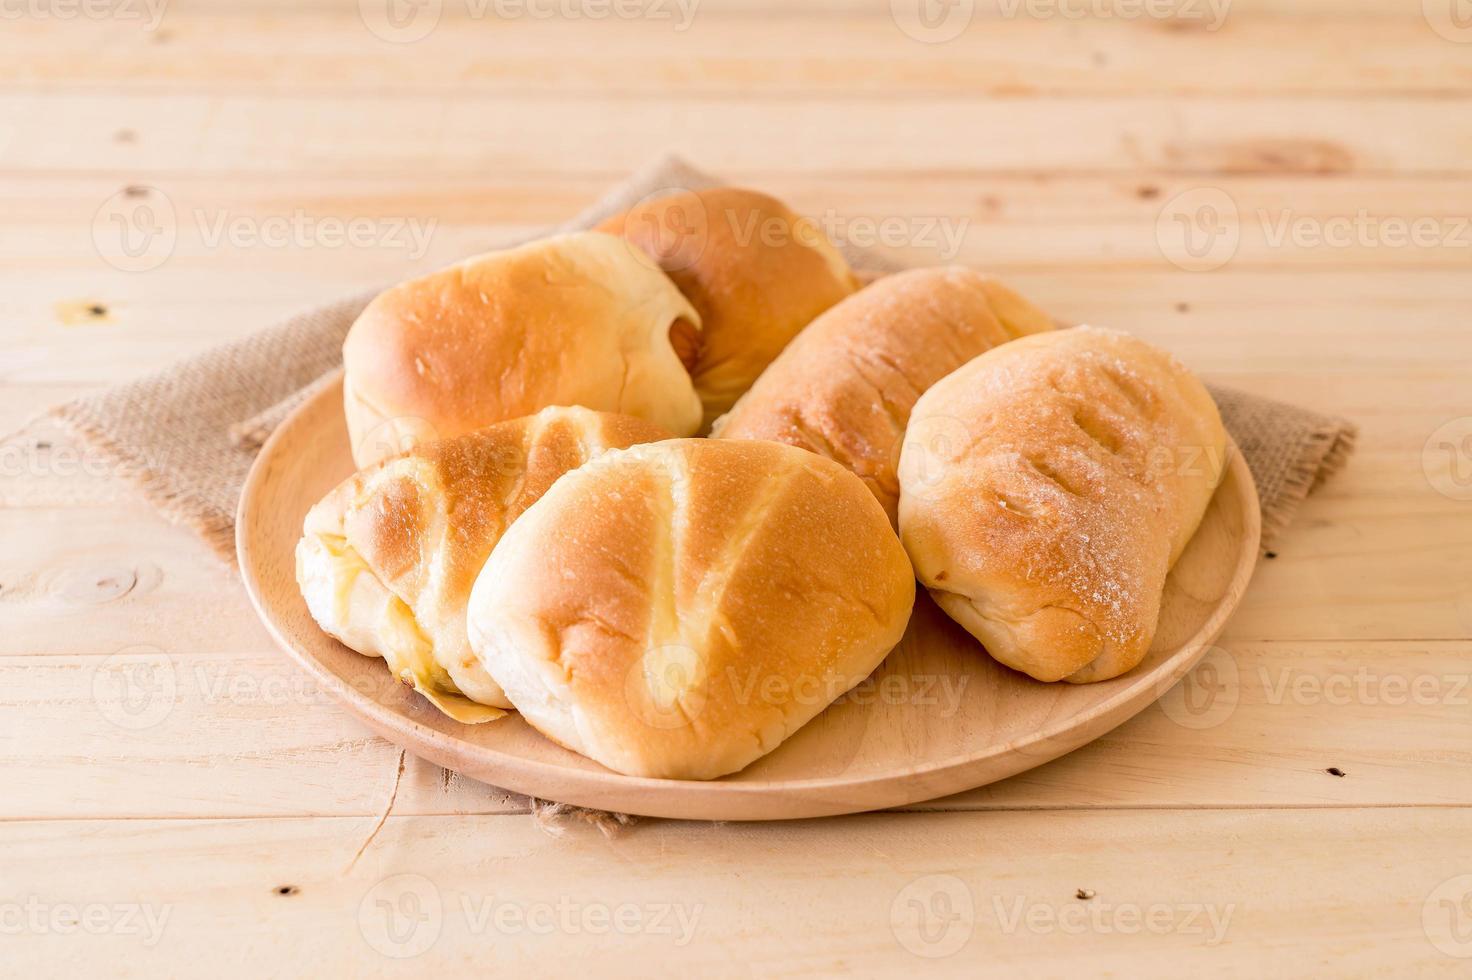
column 437, row 511
column 571, row 320
column 770, row 571
column 756, row 271
column 1075, row 467
column 424, row 523
column 845, row 387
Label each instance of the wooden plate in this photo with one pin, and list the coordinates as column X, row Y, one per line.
column 939, row 716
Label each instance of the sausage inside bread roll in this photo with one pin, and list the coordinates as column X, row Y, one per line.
column 387, row 559
column 756, row 272
column 568, row 320
column 1046, row 489
column 844, row 388
column 678, row 609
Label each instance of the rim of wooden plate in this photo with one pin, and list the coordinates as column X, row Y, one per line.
column 723, row 799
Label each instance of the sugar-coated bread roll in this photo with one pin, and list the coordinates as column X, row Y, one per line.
column 1046, row 489
column 756, row 272
column 844, row 388
column 676, row 610
column 387, row 559
column 568, row 320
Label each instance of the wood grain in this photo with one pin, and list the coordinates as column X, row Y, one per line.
column 224, row 726
column 730, row 52
column 1010, row 223
column 312, row 134
column 1222, row 323
column 1061, row 142
column 1305, row 888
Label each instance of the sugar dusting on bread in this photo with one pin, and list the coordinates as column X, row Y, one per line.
column 1056, row 522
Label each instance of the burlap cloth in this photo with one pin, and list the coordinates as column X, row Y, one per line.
column 188, row 434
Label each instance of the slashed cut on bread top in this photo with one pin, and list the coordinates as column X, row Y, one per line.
column 677, row 610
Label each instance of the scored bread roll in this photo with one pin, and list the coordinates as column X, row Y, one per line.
column 756, row 272
column 677, row 610
column 387, row 559
column 568, row 320
column 844, row 388
column 1046, row 489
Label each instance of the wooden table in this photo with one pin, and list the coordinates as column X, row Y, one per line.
column 1301, row 805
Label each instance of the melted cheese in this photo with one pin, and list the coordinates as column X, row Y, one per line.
column 397, row 636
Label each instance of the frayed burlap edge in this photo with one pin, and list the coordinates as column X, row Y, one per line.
column 553, row 818
column 1323, row 453
column 178, row 506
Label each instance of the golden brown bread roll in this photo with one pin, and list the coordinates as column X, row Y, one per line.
column 568, row 320
column 756, row 272
column 676, row 610
column 844, row 388
column 1046, row 489
column 387, row 559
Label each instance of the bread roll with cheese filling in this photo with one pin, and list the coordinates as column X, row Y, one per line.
column 387, row 559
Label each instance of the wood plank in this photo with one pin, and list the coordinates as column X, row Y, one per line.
column 1226, row 322
column 255, row 133
column 1200, row 892
column 1005, row 222
column 19, row 404
column 188, row 734
column 721, row 52
column 984, row 12
column 1259, row 725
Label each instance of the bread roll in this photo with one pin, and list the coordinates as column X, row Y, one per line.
column 387, row 559
column 756, row 272
column 676, row 610
column 844, row 388
column 1046, row 489
column 569, row 320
